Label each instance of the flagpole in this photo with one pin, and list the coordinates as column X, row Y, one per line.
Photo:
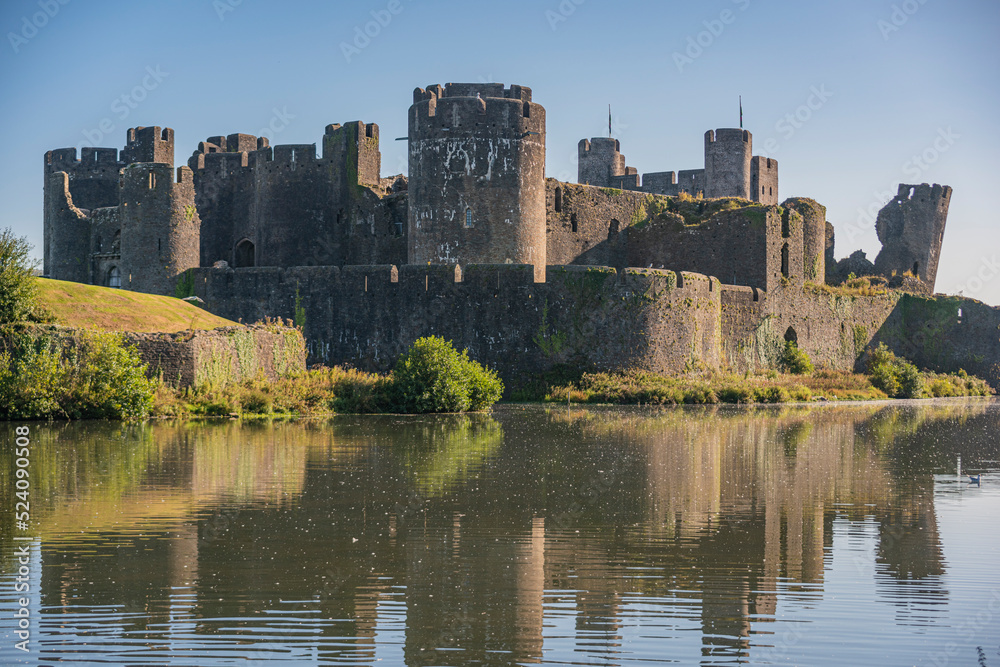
column 609, row 121
column 741, row 112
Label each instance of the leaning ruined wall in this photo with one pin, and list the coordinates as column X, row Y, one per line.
column 593, row 316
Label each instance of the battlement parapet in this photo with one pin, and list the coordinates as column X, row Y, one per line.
column 493, row 90
column 96, row 160
column 478, row 109
column 731, row 135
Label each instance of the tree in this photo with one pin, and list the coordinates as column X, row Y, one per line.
column 18, row 287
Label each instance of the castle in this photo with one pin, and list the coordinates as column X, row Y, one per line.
column 700, row 268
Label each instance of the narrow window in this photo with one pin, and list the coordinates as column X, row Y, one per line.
column 572, row 221
column 770, row 191
column 159, row 245
column 784, row 260
column 762, row 189
column 152, row 180
column 916, row 266
column 786, row 230
column 613, row 228
column 527, row 109
column 558, row 200
column 468, row 217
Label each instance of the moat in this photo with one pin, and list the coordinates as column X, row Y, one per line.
column 833, row 535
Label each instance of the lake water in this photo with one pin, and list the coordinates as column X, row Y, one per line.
column 836, row 535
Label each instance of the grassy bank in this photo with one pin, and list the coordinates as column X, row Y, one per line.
column 105, row 309
column 642, row 387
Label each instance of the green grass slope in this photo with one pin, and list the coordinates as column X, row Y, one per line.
column 105, row 309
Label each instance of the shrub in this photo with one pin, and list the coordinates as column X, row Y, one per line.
column 434, row 377
column 772, row 395
column 911, row 385
column 97, row 377
column 895, row 376
column 18, row 289
column 795, row 360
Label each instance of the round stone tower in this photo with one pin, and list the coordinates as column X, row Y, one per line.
column 160, row 227
column 727, row 163
column 477, row 176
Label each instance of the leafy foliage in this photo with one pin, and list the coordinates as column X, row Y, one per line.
column 795, row 360
column 18, row 287
column 434, row 377
column 895, row 376
column 96, row 376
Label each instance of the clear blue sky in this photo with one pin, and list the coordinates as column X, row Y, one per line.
column 897, row 79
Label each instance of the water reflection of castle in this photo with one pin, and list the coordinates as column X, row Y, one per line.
column 714, row 518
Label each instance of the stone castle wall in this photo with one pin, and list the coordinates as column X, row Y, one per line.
column 595, row 316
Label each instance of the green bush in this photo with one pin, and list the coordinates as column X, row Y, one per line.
column 434, row 377
column 18, row 289
column 795, row 360
column 97, row 377
column 897, row 377
column 772, row 394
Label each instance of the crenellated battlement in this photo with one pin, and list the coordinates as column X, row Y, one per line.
column 728, row 135
column 91, row 159
column 494, row 90
column 476, row 109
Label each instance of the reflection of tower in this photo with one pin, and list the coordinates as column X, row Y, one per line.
column 530, row 584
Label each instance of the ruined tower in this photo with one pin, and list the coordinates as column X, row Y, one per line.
column 911, row 228
column 476, row 176
column 161, row 229
column 727, row 163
